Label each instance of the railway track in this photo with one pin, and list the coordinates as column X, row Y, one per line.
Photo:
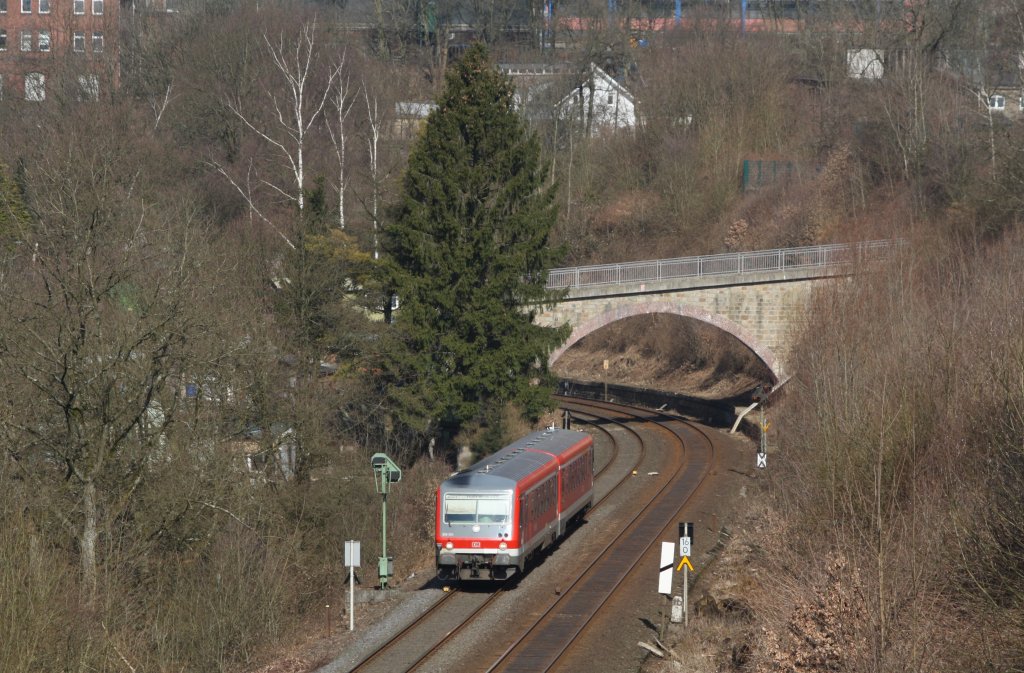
column 550, row 635
column 424, row 640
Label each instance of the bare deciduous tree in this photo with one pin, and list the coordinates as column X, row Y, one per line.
column 342, row 101
column 375, row 118
column 100, row 302
column 295, row 110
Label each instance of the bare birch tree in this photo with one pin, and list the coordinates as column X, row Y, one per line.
column 342, row 101
column 294, row 114
column 376, row 121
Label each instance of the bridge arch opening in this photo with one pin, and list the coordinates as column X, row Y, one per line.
column 667, row 347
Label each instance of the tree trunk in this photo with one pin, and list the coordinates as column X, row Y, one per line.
column 373, row 141
column 88, row 542
column 341, row 168
column 378, row 7
column 590, row 105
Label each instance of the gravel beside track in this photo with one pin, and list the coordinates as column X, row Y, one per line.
column 408, row 607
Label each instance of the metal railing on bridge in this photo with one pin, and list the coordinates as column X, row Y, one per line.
column 734, row 263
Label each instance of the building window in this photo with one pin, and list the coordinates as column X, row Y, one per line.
column 26, row 40
column 90, row 86
column 44, row 40
column 79, row 6
column 35, row 86
column 97, row 43
column 3, row 6
column 79, row 42
column 996, row 103
column 44, row 6
column 26, row 6
column 97, row 6
column 3, row 40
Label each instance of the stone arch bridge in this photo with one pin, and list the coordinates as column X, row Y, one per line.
column 761, row 298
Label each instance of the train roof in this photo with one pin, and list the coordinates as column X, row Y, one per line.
column 506, row 467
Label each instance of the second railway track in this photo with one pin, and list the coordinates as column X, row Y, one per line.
column 548, row 637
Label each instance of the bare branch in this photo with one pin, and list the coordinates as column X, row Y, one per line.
column 229, row 513
column 160, row 107
column 252, row 205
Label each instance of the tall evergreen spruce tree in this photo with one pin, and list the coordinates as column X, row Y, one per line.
column 468, row 258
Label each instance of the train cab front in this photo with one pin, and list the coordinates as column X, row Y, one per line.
column 476, row 539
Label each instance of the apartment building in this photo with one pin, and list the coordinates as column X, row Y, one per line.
column 155, row 5
column 46, row 43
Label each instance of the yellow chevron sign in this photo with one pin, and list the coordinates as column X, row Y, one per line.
column 685, row 562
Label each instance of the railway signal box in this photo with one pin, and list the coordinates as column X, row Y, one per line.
column 385, row 470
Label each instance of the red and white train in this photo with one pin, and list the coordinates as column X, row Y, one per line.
column 493, row 516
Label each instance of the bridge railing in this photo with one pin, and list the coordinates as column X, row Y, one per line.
column 734, row 263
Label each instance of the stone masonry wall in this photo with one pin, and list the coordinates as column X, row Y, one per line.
column 764, row 316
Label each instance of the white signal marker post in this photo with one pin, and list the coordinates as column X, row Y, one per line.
column 668, row 554
column 685, row 566
column 762, row 449
column 351, row 560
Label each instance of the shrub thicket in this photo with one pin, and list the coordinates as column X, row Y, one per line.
column 900, row 459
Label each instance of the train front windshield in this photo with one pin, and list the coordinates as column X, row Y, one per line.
column 477, row 508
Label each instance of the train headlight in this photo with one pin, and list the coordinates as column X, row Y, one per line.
column 502, row 545
column 449, row 545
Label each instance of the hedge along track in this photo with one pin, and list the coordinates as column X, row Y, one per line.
column 551, row 634
column 408, row 649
